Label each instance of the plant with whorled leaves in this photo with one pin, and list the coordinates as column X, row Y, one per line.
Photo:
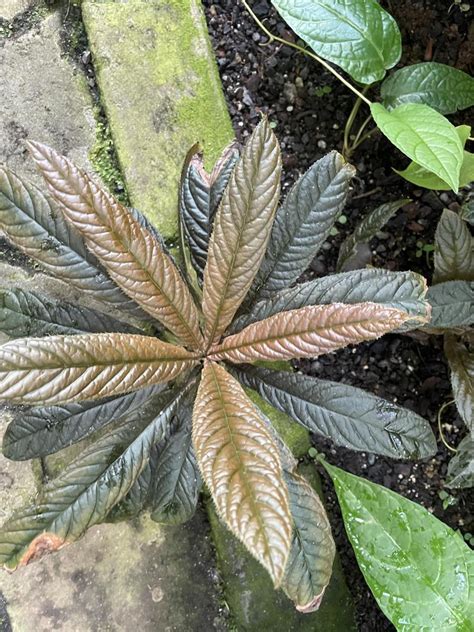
column 163, row 409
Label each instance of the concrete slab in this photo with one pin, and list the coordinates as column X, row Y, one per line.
column 161, row 93
column 9, row 9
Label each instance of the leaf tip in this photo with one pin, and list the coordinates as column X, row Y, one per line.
column 42, row 545
column 312, row 605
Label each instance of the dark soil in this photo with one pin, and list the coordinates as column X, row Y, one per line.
column 309, row 108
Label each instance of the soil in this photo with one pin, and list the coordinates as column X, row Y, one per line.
column 309, row 108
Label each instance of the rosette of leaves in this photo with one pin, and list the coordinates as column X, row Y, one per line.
column 452, row 300
column 164, row 409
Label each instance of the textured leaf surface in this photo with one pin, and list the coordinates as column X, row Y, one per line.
column 444, row 88
column 124, row 243
column 403, row 290
column 347, row 415
column 241, row 230
column 240, row 464
column 309, row 566
column 461, row 467
column 420, row 571
column 303, row 223
column 62, row 369
column 220, row 176
column 25, row 313
column 425, row 136
column 37, row 432
column 309, row 332
column 87, row 489
column 461, row 364
column 357, row 35
column 452, row 304
column 454, row 257
column 366, row 229
column 32, row 223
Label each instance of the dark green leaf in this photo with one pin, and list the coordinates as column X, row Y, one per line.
column 461, row 466
column 454, row 256
column 220, row 176
column 37, row 432
column 420, row 571
column 402, row 290
column 25, row 313
column 365, row 230
column 442, row 87
column 309, row 566
column 452, row 304
column 359, row 36
column 461, row 363
column 86, row 490
column 347, row 415
column 302, row 224
column 34, row 224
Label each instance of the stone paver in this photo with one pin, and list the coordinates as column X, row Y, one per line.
column 11, row 8
column 161, row 92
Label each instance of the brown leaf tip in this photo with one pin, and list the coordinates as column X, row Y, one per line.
column 42, row 545
column 313, row 605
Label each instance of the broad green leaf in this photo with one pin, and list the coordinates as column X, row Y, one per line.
column 25, row 313
column 366, row 229
column 419, row 570
column 87, row 489
column 36, row 432
column 349, row 416
column 239, row 461
column 241, row 230
column 461, row 467
column 357, row 35
column 403, row 290
column 454, row 256
column 444, row 88
column 63, row 369
column 303, row 223
column 425, row 136
column 424, row 178
column 309, row 332
column 452, row 304
column 33, row 224
column 309, row 566
column 125, row 244
column 461, row 363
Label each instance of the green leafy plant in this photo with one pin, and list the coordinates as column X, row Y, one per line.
column 164, row 409
column 452, row 300
column 364, row 40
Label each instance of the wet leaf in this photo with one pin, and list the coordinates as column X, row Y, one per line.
column 124, row 243
column 453, row 258
column 241, row 230
column 63, row 369
column 348, row 416
column 366, row 230
column 240, row 464
column 461, row 466
column 309, row 332
column 359, row 36
column 419, row 570
column 461, row 364
column 303, row 223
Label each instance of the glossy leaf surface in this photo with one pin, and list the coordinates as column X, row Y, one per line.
column 309, row 332
column 366, row 229
column 303, row 223
column 444, row 88
column 240, row 464
column 309, row 566
column 454, row 256
column 461, row 466
column 241, row 230
column 461, row 364
column 86, row 490
column 357, row 35
column 425, row 136
column 124, row 243
column 349, row 416
column 62, row 369
column 419, row 570
column 403, row 290
column 452, row 304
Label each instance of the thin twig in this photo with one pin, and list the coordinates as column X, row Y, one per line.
column 440, row 427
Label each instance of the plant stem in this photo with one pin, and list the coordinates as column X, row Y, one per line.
column 440, row 427
column 346, row 148
column 275, row 38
